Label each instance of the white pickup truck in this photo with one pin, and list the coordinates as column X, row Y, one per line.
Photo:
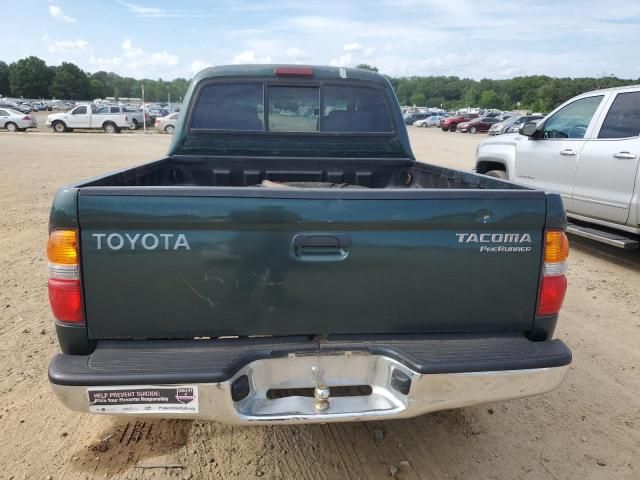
column 89, row 116
column 587, row 150
column 137, row 117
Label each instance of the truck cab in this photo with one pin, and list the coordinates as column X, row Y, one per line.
column 587, row 150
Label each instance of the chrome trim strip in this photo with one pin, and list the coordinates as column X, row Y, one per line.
column 428, row 392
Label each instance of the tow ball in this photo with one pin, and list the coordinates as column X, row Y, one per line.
column 321, row 394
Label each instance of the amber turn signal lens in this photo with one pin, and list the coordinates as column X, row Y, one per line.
column 556, row 248
column 62, row 247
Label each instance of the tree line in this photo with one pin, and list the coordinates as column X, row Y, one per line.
column 31, row 77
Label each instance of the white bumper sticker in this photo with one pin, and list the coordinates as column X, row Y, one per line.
column 144, row 399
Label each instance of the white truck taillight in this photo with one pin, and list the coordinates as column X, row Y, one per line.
column 554, row 282
column 63, row 273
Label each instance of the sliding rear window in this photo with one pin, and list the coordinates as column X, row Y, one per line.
column 230, row 106
column 309, row 109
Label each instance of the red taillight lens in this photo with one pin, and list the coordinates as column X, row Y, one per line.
column 554, row 282
column 65, row 294
column 552, row 293
column 26, row 117
column 66, row 300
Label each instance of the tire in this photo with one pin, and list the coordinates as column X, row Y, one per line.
column 453, row 128
column 59, row 127
column 12, row 127
column 134, row 125
column 110, row 128
column 445, row 129
column 497, row 174
column 473, row 130
column 169, row 129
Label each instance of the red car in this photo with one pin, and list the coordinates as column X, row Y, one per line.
column 451, row 123
column 478, row 125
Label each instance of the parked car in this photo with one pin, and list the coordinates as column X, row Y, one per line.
column 136, row 117
column 476, row 125
column 512, row 124
column 432, row 121
column 167, row 124
column 197, row 286
column 15, row 121
column 87, row 117
column 451, row 123
column 515, row 128
column 15, row 107
column 153, row 114
column 588, row 151
column 412, row 117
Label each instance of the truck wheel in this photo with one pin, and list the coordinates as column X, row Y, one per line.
column 169, row 129
column 59, row 127
column 497, row 174
column 12, row 127
column 110, row 127
column 133, row 125
column 453, row 128
column 473, row 130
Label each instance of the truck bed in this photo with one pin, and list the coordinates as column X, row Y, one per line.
column 193, row 171
column 378, row 251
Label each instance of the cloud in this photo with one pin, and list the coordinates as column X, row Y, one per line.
column 352, row 47
column 140, row 10
column 296, row 54
column 198, row 65
column 155, row 12
column 136, row 61
column 57, row 13
column 69, row 47
column 249, row 56
column 342, row 61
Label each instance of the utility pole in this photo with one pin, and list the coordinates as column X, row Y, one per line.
column 144, row 116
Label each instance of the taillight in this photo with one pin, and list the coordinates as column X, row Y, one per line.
column 26, row 117
column 554, row 282
column 293, row 72
column 63, row 271
column 126, row 118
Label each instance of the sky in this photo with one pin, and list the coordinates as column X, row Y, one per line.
column 468, row 38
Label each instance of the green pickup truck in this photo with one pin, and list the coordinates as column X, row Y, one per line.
column 290, row 261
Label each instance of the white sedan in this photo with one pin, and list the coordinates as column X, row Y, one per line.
column 15, row 121
column 432, row 121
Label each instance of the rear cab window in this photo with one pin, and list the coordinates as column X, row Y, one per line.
column 291, row 108
column 623, row 118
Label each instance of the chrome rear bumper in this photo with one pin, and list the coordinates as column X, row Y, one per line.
column 423, row 393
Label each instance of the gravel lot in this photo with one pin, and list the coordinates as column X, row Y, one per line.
column 589, row 428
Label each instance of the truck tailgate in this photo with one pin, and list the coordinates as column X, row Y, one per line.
column 165, row 266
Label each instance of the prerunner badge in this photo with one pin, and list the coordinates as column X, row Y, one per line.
column 151, row 399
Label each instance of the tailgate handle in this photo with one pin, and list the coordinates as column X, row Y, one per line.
column 321, row 247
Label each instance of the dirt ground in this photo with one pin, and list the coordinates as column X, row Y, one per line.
column 589, row 428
